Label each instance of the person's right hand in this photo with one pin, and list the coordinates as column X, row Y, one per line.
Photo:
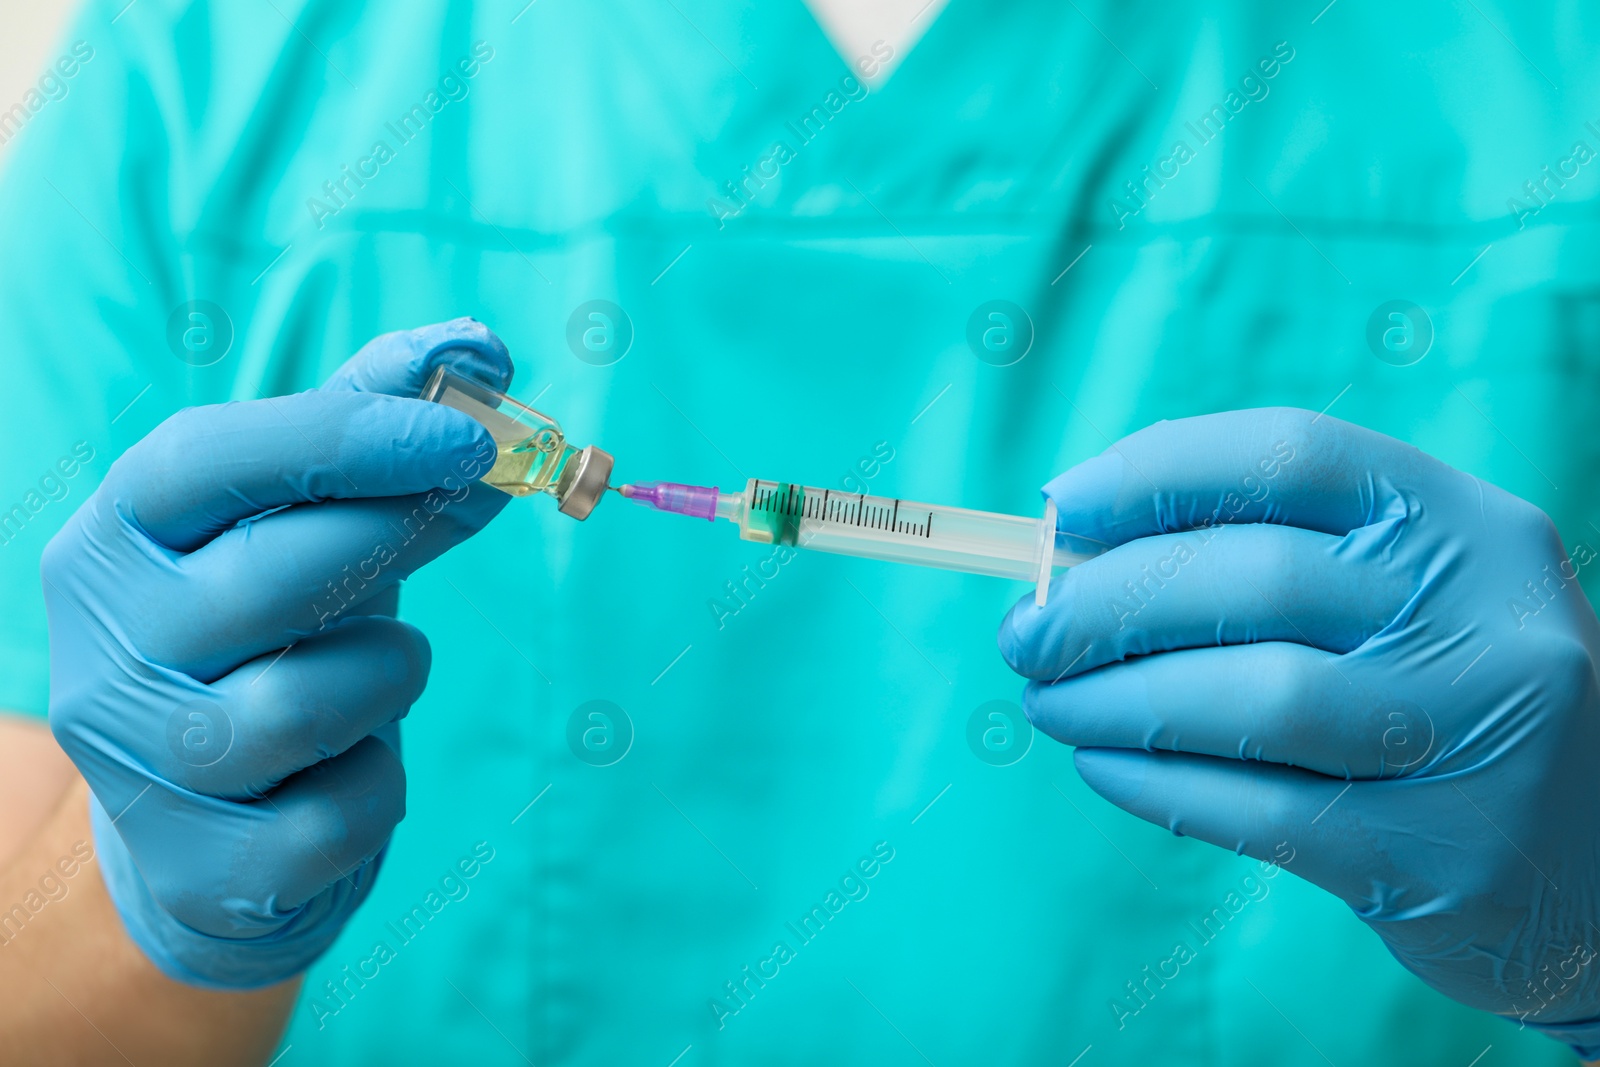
column 1312, row 642
column 223, row 668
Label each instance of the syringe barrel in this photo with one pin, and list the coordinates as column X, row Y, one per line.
column 929, row 535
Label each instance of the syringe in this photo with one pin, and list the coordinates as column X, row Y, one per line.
column 855, row 524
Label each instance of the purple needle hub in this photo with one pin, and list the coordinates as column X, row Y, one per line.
column 696, row 501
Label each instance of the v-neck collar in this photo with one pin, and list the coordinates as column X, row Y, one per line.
column 874, row 35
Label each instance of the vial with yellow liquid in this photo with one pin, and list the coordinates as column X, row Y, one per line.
column 534, row 456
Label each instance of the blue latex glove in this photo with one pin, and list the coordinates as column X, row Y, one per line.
column 1383, row 668
column 243, row 799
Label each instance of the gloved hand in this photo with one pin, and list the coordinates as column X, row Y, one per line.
column 243, row 795
column 1315, row 641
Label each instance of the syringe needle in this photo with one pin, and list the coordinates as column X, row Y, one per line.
column 696, row 501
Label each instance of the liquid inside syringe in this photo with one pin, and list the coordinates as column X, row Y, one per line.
column 903, row 531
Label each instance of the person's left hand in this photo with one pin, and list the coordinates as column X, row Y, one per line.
column 224, row 670
column 1310, row 634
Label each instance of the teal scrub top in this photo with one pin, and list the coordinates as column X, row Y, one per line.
column 725, row 806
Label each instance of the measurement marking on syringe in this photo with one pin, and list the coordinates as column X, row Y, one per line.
column 796, row 502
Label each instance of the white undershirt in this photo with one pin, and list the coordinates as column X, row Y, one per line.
column 855, row 26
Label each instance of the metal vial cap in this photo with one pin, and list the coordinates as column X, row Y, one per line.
column 583, row 481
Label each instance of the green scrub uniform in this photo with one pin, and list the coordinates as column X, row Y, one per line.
column 795, row 828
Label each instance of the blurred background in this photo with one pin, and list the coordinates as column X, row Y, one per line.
column 30, row 31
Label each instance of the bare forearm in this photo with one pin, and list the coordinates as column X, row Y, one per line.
column 75, row 990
